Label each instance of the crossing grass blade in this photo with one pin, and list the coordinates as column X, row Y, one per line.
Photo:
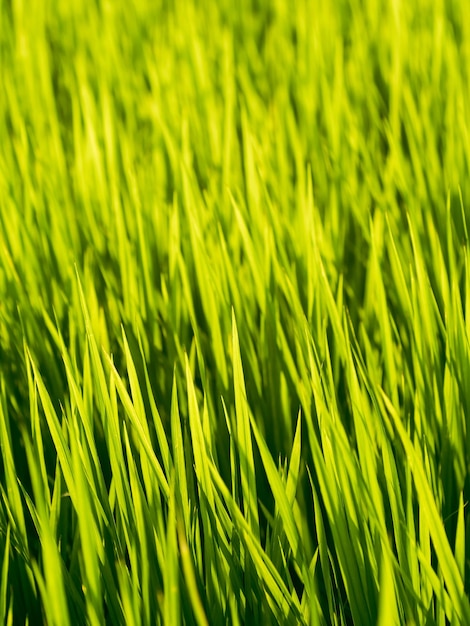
column 50, row 580
column 447, row 564
column 92, row 549
column 284, row 606
column 172, row 613
column 280, row 496
column 243, row 437
column 140, row 430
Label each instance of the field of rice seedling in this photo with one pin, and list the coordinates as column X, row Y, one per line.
column 234, row 312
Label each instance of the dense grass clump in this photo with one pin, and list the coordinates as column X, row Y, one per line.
column 234, row 312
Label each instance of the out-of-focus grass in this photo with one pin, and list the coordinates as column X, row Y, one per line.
column 234, row 312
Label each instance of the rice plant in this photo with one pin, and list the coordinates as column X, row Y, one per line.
column 234, row 312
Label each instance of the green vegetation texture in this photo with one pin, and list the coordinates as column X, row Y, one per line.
column 234, row 312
